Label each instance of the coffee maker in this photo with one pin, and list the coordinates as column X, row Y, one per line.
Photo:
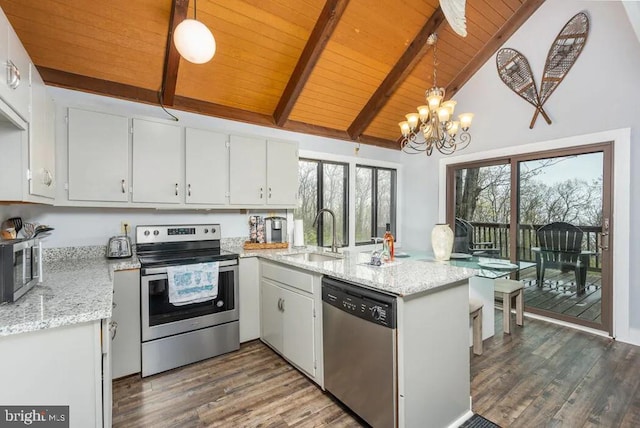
column 275, row 229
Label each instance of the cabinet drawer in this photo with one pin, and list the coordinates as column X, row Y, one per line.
column 289, row 276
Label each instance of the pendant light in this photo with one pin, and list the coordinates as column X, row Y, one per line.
column 194, row 40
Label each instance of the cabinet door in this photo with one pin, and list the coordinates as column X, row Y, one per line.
column 270, row 314
column 207, row 167
column 20, row 88
column 4, row 56
column 247, row 171
column 42, row 141
column 298, row 331
column 282, row 173
column 98, row 156
column 157, row 160
column 125, row 347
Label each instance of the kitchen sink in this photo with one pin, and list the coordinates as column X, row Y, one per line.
column 314, row 257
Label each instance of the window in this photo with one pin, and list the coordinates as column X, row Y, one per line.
column 375, row 200
column 323, row 184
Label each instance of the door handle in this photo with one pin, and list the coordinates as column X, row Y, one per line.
column 176, row 189
column 261, row 192
column 279, row 304
column 269, row 192
column 13, row 75
column 189, row 189
column 282, row 305
column 604, row 241
column 123, row 191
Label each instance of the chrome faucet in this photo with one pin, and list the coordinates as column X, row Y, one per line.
column 334, row 247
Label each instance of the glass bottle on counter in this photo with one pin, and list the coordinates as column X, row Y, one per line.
column 388, row 244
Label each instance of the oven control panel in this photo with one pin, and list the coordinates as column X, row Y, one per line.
column 177, row 233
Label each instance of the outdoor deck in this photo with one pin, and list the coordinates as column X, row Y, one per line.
column 559, row 294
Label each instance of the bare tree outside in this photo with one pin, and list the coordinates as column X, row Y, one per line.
column 567, row 189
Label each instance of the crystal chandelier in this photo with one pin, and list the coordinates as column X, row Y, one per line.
column 433, row 126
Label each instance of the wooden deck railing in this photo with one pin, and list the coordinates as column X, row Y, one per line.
column 499, row 233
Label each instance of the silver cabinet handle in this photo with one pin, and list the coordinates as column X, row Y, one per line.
column 279, row 301
column 48, row 178
column 261, row 191
column 123, row 190
column 269, row 192
column 282, row 305
column 13, row 75
column 189, row 189
column 176, row 189
column 113, row 328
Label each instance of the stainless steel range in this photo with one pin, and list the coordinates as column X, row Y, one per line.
column 177, row 334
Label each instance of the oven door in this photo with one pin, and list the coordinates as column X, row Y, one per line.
column 161, row 319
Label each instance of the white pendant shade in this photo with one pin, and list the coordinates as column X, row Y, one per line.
column 194, row 41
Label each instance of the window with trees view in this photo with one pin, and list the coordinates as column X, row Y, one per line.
column 375, row 200
column 323, row 184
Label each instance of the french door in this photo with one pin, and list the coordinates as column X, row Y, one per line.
column 506, row 201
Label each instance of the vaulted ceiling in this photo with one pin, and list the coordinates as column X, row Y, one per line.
column 346, row 69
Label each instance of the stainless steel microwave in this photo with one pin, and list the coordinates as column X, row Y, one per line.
column 20, row 267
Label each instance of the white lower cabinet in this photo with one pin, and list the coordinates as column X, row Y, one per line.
column 125, row 317
column 65, row 367
column 290, row 322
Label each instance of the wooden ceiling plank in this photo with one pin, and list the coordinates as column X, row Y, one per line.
column 327, row 22
column 400, row 71
column 527, row 8
column 172, row 56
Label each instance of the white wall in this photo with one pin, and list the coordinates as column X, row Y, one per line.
column 93, row 226
column 601, row 92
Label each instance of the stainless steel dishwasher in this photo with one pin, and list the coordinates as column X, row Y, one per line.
column 359, row 334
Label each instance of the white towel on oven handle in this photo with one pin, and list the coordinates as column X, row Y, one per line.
column 192, row 283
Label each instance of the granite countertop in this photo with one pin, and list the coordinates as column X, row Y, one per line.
column 403, row 277
column 74, row 290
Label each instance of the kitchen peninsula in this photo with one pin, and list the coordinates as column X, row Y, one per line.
column 432, row 355
column 433, row 375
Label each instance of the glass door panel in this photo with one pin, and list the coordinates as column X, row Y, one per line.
column 482, row 209
column 561, row 213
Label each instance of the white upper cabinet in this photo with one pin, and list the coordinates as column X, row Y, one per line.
column 247, row 170
column 42, row 141
column 98, row 156
column 18, row 76
column 263, row 172
column 282, row 173
column 207, row 167
column 157, row 162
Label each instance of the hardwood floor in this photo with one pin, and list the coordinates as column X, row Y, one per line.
column 250, row 388
column 542, row 375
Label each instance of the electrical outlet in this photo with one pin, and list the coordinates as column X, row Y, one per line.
column 125, row 227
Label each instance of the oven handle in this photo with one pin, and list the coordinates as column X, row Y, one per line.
column 224, row 265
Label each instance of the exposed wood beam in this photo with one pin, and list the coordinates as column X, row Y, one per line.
column 224, row 112
column 68, row 80
column 171, row 56
column 322, row 131
column 491, row 47
column 400, row 71
column 327, row 22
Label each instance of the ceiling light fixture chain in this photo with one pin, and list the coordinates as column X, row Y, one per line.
column 433, row 127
